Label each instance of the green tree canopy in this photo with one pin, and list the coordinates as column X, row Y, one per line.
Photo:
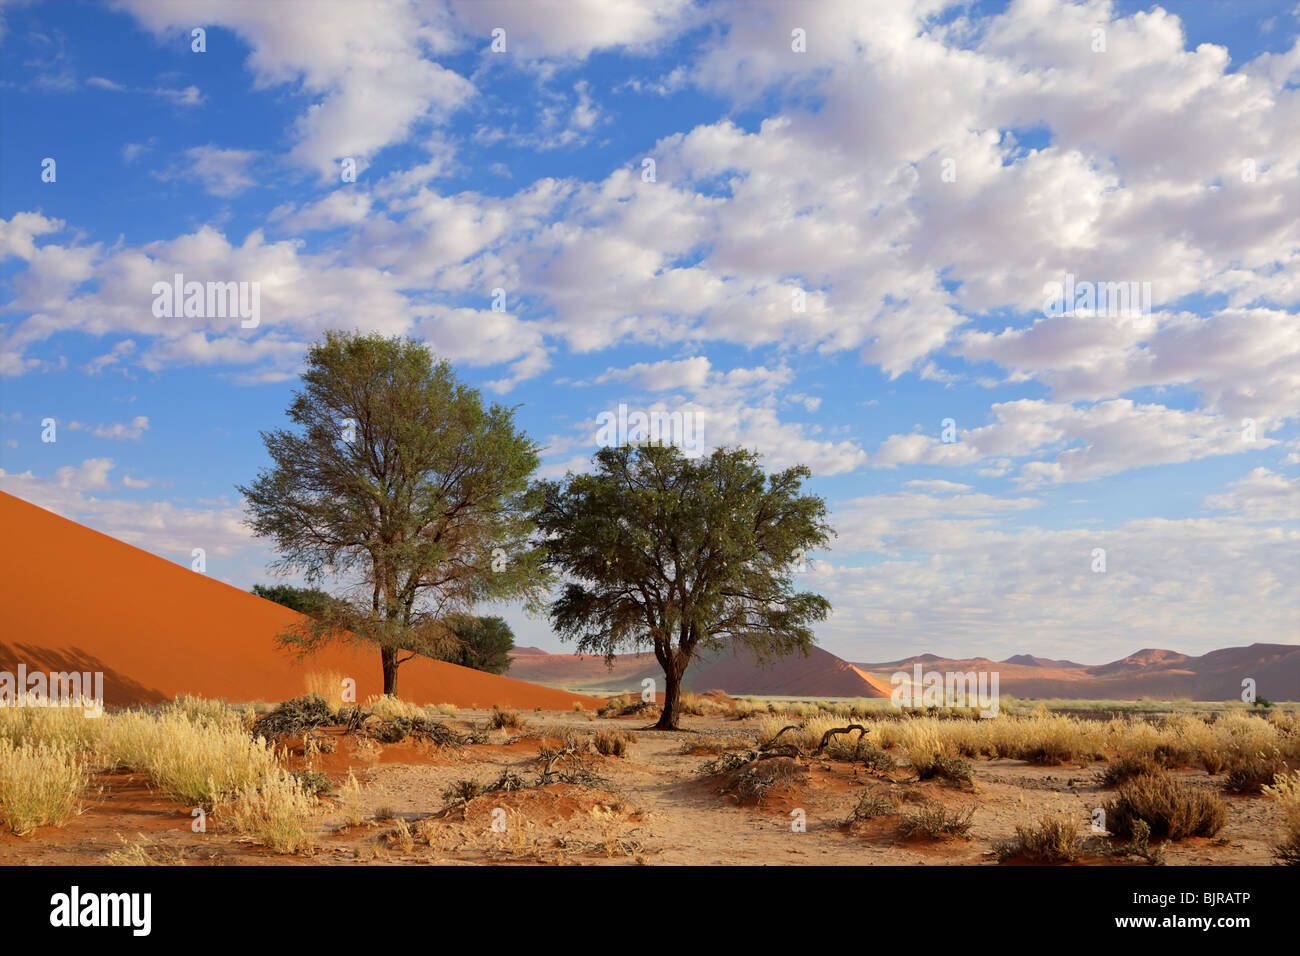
column 682, row 555
column 399, row 482
column 311, row 601
column 484, row 644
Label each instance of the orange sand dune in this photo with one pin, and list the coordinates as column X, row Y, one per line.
column 75, row 599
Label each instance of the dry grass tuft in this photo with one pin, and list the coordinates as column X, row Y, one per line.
column 1054, row 839
column 40, row 785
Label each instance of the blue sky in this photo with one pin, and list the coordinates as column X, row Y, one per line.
column 917, row 173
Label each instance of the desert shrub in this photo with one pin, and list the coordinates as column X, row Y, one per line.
column 874, row 803
column 446, row 710
column 420, row 727
column 1172, row 810
column 752, row 784
column 505, row 719
column 1127, row 766
column 612, row 743
column 1139, row 845
column 297, row 716
column 461, row 791
column 40, row 785
column 278, row 813
column 934, row 821
column 1252, row 773
column 1053, row 840
column 313, row 782
column 952, row 769
column 1286, row 790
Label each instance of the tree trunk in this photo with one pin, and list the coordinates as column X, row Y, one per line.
column 390, row 670
column 672, row 698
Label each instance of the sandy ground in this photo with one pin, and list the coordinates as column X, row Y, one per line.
column 652, row 806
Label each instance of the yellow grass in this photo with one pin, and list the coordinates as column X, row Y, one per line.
column 386, row 707
column 192, row 761
column 40, row 785
column 327, row 684
column 276, row 811
column 1181, row 739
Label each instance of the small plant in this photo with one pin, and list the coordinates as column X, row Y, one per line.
column 953, row 769
column 1171, row 810
column 934, row 821
column 462, row 791
column 278, row 814
column 612, row 743
column 1053, row 840
column 1286, row 790
column 874, row 803
column 353, row 813
column 1128, row 766
column 752, row 784
column 505, row 720
column 1139, row 845
column 314, row 782
column 1251, row 774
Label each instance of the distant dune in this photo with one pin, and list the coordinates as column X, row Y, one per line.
column 1159, row 674
column 75, row 599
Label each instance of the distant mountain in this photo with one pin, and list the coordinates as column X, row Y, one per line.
column 1029, row 660
column 736, row 671
column 1151, row 672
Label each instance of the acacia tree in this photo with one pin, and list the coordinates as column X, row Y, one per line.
column 682, row 555
column 399, row 484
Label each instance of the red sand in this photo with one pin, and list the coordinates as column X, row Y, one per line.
column 75, row 599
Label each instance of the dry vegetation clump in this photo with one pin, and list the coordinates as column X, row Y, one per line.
column 418, row 727
column 293, row 718
column 1252, row 773
column 624, row 705
column 506, row 720
column 1054, row 839
column 40, row 785
column 1170, row 809
column 612, row 743
column 278, row 813
column 1286, row 790
column 33, row 721
column 934, row 821
column 143, row 853
column 1128, row 766
column 199, row 763
column 752, row 783
column 874, row 803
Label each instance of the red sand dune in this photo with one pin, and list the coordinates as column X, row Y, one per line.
column 75, row 599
